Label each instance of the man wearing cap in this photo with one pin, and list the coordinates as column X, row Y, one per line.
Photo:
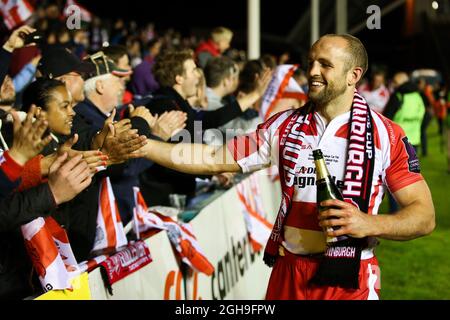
column 61, row 64
column 104, row 89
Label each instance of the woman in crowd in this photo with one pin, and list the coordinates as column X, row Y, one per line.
column 79, row 215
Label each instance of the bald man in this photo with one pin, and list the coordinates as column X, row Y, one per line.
column 399, row 79
column 365, row 153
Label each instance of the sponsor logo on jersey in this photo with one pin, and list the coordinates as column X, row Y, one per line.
column 413, row 161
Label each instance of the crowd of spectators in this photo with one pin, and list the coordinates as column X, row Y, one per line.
column 78, row 100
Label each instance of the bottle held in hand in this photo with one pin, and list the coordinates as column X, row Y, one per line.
column 326, row 189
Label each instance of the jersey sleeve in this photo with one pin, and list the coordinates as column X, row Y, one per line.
column 256, row 150
column 404, row 167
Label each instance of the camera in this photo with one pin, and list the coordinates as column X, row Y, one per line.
column 34, row 37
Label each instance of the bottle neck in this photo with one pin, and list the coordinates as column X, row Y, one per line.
column 321, row 170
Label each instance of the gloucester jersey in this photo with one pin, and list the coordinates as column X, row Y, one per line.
column 396, row 166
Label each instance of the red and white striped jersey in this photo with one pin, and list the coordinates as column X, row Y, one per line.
column 376, row 99
column 396, row 167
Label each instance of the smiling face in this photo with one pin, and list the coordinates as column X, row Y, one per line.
column 59, row 111
column 328, row 70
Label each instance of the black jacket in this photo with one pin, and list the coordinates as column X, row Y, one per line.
column 22, row 207
column 158, row 182
column 79, row 215
column 16, row 209
column 5, row 60
column 15, row 266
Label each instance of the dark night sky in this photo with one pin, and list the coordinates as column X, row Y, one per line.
column 277, row 18
column 185, row 15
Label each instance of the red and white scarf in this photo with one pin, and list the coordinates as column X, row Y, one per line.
column 128, row 260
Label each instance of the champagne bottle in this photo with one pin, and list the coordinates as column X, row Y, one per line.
column 326, row 188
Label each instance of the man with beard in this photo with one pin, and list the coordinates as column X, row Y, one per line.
column 365, row 153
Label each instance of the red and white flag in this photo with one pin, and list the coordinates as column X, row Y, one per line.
column 181, row 235
column 258, row 228
column 183, row 239
column 143, row 219
column 109, row 233
column 15, row 12
column 282, row 85
column 62, row 243
column 72, row 5
column 49, row 249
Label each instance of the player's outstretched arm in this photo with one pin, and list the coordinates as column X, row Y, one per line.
column 190, row 158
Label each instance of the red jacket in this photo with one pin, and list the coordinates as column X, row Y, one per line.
column 208, row 46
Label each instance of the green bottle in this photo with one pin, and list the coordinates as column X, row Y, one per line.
column 326, row 188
